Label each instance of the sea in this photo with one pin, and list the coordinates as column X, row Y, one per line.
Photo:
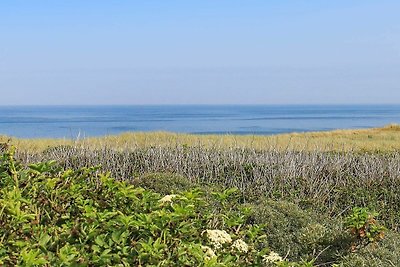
column 73, row 122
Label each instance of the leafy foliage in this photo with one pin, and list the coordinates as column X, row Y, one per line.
column 364, row 227
column 55, row 217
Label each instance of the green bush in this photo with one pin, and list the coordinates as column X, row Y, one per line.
column 301, row 234
column 364, row 227
column 384, row 253
column 55, row 217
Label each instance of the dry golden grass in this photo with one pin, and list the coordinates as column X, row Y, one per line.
column 368, row 140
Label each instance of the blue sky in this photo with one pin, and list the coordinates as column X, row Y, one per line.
column 199, row 52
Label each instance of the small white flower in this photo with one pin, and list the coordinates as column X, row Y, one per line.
column 240, row 245
column 272, row 257
column 218, row 237
column 208, row 253
column 167, row 198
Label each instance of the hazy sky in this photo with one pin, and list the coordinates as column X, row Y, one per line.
column 199, row 51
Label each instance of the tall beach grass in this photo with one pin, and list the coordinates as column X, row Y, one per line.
column 364, row 140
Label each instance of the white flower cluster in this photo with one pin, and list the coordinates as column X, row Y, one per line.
column 272, row 257
column 241, row 246
column 208, row 253
column 218, row 238
column 167, row 198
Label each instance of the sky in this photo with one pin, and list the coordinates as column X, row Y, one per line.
column 74, row 52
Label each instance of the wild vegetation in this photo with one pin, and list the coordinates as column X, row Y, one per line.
column 51, row 216
column 301, row 207
column 328, row 182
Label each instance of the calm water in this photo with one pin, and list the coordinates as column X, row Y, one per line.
column 71, row 121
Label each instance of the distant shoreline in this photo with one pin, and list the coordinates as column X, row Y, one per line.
column 74, row 122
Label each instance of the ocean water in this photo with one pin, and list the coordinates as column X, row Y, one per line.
column 74, row 121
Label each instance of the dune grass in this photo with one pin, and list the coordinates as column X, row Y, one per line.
column 385, row 139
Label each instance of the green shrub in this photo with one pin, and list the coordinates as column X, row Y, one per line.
column 384, row 253
column 301, row 234
column 55, row 217
column 364, row 227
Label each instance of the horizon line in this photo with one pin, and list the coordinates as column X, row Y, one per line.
column 200, row 104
